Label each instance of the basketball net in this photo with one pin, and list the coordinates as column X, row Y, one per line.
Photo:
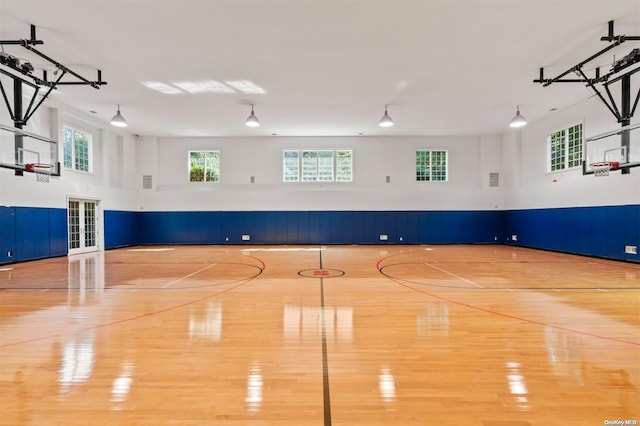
column 601, row 169
column 42, row 171
column 42, row 177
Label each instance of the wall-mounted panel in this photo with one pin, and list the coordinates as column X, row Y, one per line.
column 632, row 234
column 592, row 231
column 59, row 235
column 28, row 233
column 318, row 227
column 7, row 234
column 32, row 233
column 315, row 235
column 121, row 229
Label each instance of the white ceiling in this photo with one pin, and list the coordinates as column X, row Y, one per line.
column 327, row 67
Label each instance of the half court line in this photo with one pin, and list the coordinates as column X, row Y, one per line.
column 326, row 396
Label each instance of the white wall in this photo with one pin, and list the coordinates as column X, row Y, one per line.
column 112, row 180
column 471, row 158
column 519, row 156
column 527, row 183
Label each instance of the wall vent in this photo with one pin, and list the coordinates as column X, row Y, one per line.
column 494, row 179
column 147, row 182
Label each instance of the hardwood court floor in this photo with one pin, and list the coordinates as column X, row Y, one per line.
column 343, row 335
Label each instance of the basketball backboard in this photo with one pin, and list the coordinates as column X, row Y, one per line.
column 20, row 150
column 621, row 146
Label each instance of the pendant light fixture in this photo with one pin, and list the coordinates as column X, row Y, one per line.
column 252, row 120
column 518, row 120
column 118, row 120
column 385, row 121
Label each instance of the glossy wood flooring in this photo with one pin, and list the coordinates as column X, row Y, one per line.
column 338, row 335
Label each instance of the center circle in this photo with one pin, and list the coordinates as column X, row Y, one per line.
column 321, row 273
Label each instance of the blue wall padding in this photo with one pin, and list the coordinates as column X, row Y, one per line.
column 34, row 233
column 632, row 235
column 320, row 227
column 120, row 228
column 7, row 233
column 593, row 231
column 58, row 231
column 28, row 233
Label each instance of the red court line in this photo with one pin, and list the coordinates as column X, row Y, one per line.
column 120, row 321
column 489, row 311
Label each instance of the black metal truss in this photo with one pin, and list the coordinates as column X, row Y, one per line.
column 23, row 74
column 620, row 72
column 625, row 111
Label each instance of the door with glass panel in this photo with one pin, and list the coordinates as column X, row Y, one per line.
column 83, row 225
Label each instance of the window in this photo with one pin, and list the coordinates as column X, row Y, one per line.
column 204, row 166
column 77, row 149
column 344, row 166
column 565, row 148
column 291, row 166
column 431, row 166
column 318, row 166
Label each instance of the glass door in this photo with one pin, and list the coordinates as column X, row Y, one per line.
column 82, row 224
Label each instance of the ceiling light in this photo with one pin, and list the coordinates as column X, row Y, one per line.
column 252, row 120
column 118, row 120
column 385, row 121
column 518, row 120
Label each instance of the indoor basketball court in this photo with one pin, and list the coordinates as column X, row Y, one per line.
column 319, row 213
column 302, row 334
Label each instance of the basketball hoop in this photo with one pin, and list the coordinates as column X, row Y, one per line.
column 603, row 168
column 42, row 171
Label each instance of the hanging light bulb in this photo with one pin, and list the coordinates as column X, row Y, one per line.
column 518, row 120
column 385, row 121
column 252, row 120
column 118, row 120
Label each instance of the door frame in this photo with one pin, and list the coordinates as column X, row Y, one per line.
column 99, row 225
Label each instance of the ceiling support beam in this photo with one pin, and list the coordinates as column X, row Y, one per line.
column 22, row 75
column 624, row 113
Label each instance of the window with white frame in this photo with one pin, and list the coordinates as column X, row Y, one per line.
column 344, row 166
column 317, row 165
column 291, row 166
column 77, row 149
column 204, row 166
column 564, row 148
column 431, row 166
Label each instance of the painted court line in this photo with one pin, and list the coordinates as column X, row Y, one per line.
column 151, row 249
column 124, row 320
column 454, row 275
column 190, row 275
